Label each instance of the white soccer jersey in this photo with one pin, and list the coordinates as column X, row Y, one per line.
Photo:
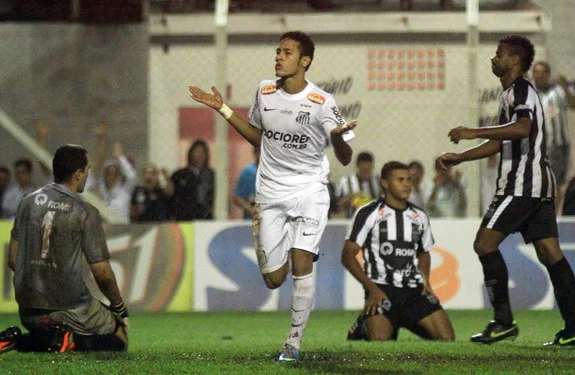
column 295, row 132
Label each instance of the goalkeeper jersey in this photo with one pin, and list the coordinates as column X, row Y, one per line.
column 56, row 232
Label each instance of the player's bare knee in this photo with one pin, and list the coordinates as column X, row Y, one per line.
column 480, row 247
column 273, row 282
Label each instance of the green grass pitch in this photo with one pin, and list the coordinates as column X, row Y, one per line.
column 249, row 342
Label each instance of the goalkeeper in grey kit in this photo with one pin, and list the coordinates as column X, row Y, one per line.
column 54, row 231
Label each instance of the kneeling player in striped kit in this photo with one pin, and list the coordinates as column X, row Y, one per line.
column 395, row 238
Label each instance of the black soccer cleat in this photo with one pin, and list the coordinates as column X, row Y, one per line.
column 62, row 339
column 495, row 332
column 562, row 338
column 357, row 329
column 9, row 339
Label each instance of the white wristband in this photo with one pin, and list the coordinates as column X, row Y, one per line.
column 226, row 111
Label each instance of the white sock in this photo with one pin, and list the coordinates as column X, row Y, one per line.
column 303, row 293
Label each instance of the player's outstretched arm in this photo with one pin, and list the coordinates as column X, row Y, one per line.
column 484, row 150
column 343, row 151
column 216, row 101
column 513, row 130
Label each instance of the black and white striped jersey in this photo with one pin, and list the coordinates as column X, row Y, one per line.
column 523, row 167
column 390, row 240
column 555, row 108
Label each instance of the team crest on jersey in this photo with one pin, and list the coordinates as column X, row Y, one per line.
column 384, row 215
column 302, row 118
column 269, row 89
column 316, row 98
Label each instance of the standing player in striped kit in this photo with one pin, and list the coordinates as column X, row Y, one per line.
column 294, row 121
column 525, row 193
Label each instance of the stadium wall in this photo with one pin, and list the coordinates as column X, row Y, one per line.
column 207, row 266
column 405, row 81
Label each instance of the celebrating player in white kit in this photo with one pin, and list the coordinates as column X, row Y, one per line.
column 294, row 121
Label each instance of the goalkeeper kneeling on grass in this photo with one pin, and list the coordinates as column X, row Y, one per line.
column 395, row 238
column 54, row 231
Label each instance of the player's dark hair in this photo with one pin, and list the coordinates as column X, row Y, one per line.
column 416, row 164
column 391, row 166
column 522, row 47
column 364, row 156
column 306, row 44
column 67, row 160
column 199, row 143
column 545, row 65
column 24, row 163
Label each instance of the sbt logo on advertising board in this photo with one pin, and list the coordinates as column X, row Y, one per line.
column 387, row 248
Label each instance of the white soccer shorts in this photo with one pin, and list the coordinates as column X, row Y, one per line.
column 295, row 223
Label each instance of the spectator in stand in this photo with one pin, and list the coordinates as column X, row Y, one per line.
column 12, row 194
column 446, row 194
column 23, row 186
column 357, row 189
column 150, row 200
column 113, row 180
column 245, row 192
column 194, row 186
column 416, row 172
column 118, row 183
column 4, row 182
column 556, row 100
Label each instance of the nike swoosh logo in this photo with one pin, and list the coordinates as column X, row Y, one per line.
column 497, row 334
column 565, row 342
column 269, row 109
column 308, row 234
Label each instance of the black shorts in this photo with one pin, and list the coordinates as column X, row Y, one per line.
column 534, row 217
column 407, row 306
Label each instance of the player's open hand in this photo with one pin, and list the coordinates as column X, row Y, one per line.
column 42, row 129
column 117, row 150
column 125, row 323
column 374, row 302
column 101, row 129
column 461, row 132
column 562, row 80
column 339, row 130
column 449, row 159
column 213, row 100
